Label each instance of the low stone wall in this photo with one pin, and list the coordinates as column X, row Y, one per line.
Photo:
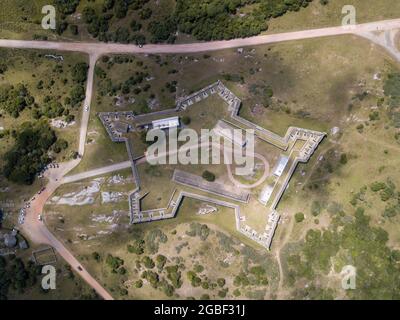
column 194, row 181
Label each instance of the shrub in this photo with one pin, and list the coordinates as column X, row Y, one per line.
column 299, row 217
column 114, row 262
column 269, row 92
column 123, row 292
column 205, row 285
column 135, row 26
column 233, row 78
column 200, row 230
column 161, row 260
column 96, row 256
column 386, row 194
column 79, row 72
column 167, row 289
column 148, row 262
column 343, row 158
column 174, row 275
column 378, row 186
column 221, row 282
column 74, row 29
column 151, row 277
column 374, row 116
column 153, row 238
column 193, row 278
column 316, row 208
column 209, row 176
column 198, row 268
column 186, row 120
column 222, row 293
column 241, row 280
column 137, row 247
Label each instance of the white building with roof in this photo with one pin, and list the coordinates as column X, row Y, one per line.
column 280, row 167
column 166, row 123
column 265, row 194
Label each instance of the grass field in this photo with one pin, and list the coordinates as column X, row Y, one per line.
column 21, row 19
column 334, row 190
column 100, row 151
column 157, row 181
column 313, row 81
column 318, row 16
column 29, row 67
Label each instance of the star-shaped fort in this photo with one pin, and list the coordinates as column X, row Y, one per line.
column 255, row 204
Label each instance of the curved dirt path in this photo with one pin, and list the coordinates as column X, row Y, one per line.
column 278, row 257
column 259, row 181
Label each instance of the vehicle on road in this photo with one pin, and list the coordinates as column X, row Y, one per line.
column 40, row 217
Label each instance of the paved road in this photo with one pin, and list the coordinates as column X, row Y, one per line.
column 107, row 48
column 96, row 172
column 38, row 231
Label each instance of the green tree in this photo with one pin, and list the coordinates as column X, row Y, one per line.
column 79, row 72
column 29, row 153
column 209, row 176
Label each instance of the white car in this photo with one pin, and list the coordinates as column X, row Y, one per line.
column 86, row 108
column 40, row 217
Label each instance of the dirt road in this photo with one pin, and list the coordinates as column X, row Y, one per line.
column 98, row 49
column 87, row 103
